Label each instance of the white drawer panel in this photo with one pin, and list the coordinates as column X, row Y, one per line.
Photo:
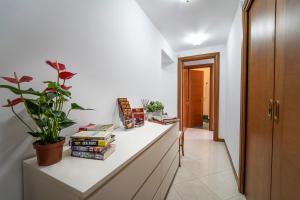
column 157, row 195
column 150, row 187
column 168, row 179
column 168, row 159
column 126, row 183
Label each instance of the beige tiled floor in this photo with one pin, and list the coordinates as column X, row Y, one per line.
column 205, row 173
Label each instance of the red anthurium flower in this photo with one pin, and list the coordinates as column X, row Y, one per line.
column 25, row 79
column 66, row 75
column 52, row 90
column 56, row 65
column 16, row 81
column 66, row 87
column 11, row 80
column 14, row 102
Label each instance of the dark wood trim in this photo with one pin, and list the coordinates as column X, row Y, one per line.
column 231, row 163
column 211, row 100
column 199, row 66
column 221, row 140
column 216, row 71
column 243, row 114
column 211, row 128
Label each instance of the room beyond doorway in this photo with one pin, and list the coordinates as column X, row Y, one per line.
column 199, row 96
column 198, row 92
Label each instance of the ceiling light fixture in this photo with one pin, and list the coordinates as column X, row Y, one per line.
column 196, row 39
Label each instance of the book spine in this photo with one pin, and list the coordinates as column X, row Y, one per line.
column 93, row 143
column 89, row 155
column 89, row 149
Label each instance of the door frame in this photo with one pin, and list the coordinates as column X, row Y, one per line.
column 215, row 71
column 210, row 66
column 243, row 107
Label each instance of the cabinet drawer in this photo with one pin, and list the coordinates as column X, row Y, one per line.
column 154, row 181
column 169, row 177
column 157, row 195
column 132, row 177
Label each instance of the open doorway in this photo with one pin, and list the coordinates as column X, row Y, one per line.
column 198, row 92
column 197, row 95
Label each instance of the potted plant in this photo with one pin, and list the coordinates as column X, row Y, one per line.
column 46, row 109
column 154, row 108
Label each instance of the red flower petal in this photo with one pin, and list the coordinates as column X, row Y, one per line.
column 66, row 75
column 11, row 80
column 13, row 102
column 55, row 65
column 66, row 87
column 25, row 79
column 52, row 90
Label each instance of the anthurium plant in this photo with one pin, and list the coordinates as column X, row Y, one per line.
column 47, row 107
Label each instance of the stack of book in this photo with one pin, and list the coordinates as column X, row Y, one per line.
column 95, row 142
column 164, row 119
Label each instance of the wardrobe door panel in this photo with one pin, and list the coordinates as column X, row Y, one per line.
column 286, row 149
column 260, row 90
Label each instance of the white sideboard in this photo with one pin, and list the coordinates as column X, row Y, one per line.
column 142, row 167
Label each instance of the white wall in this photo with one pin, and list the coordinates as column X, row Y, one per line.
column 112, row 45
column 223, row 73
column 233, row 92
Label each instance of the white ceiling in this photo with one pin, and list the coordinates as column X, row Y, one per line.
column 176, row 19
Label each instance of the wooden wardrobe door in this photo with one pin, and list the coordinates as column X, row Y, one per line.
column 260, row 89
column 196, row 83
column 286, row 147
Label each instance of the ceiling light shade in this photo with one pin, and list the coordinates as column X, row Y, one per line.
column 186, row 1
column 196, row 39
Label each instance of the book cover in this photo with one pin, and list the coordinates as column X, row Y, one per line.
column 101, row 127
column 98, row 135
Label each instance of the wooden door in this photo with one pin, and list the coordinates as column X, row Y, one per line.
column 286, row 147
column 185, row 92
column 260, row 90
column 196, row 83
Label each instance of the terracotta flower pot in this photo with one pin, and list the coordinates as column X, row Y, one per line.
column 49, row 154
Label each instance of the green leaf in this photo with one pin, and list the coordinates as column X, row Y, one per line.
column 59, row 114
column 41, row 122
column 35, row 134
column 32, row 106
column 66, row 123
column 19, row 92
column 54, row 85
column 75, row 106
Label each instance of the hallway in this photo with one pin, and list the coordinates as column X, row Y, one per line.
column 205, row 173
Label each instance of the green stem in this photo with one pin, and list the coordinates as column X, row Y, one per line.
column 19, row 87
column 69, row 112
column 12, row 108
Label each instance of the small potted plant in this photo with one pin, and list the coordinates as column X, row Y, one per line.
column 154, row 108
column 46, row 109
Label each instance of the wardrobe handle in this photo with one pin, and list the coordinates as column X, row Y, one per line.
column 270, row 109
column 276, row 111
